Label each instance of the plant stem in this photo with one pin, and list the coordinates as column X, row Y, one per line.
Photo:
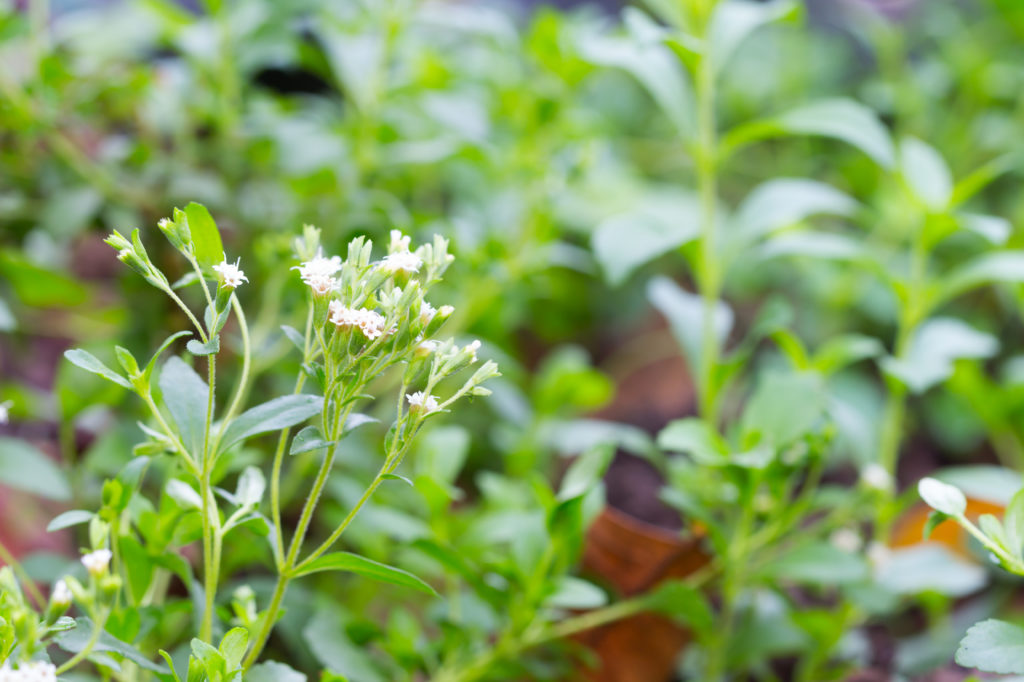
column 94, row 638
column 7, row 556
column 211, row 522
column 707, row 271
column 243, row 379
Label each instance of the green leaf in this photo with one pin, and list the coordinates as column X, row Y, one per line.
column 212, row 660
column 1001, row 266
column 308, row 438
column 137, row 565
column 442, row 453
column 353, row 563
column 272, row 671
column 585, row 472
column 942, row 497
column 148, row 371
column 926, row 174
column 813, row 244
column 186, row 397
column 661, row 223
column 818, row 563
column 396, row 477
column 993, row 646
column 683, row 603
column 845, row 120
column 233, row 647
column 251, row 485
column 842, row 351
column 1013, row 523
column 733, row 21
column 696, row 438
column 273, row 415
column 74, row 641
column 652, row 63
column 685, row 313
column 995, row 229
column 211, row 347
column 782, row 202
column 38, row 287
column 91, row 363
column 295, row 336
column 936, row 345
column 576, row 593
column 24, row 467
column 205, row 236
column 785, row 407
column 935, row 519
column 184, row 494
column 70, row 518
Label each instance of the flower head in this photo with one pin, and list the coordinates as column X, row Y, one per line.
column 5, row 411
column 402, row 261
column 97, row 562
column 61, row 593
column 399, row 242
column 847, row 540
column 319, row 273
column 33, row 671
column 427, row 313
column 230, row 275
column 422, row 402
column 369, row 322
column 875, row 476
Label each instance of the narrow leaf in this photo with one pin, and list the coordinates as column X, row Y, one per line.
column 353, row 563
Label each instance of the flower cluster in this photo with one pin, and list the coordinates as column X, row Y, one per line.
column 422, row 402
column 370, row 322
column 34, row 671
column 319, row 273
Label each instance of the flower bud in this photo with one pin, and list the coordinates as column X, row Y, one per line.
column 60, row 601
column 97, row 562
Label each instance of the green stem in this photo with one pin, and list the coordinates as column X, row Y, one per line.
column 243, row 379
column 94, row 638
column 707, row 271
column 326, row 545
column 7, row 556
column 211, row 523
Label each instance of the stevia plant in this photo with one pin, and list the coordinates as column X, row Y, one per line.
column 366, row 319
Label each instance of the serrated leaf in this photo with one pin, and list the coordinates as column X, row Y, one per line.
column 360, row 565
column 942, row 497
column 308, row 438
column 91, row 363
column 993, row 646
column 845, row 120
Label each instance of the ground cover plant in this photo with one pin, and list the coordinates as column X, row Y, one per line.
column 675, row 342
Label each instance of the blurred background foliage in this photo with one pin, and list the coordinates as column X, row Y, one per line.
column 523, row 133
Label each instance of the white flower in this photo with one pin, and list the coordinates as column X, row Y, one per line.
column 427, row 313
column 847, row 540
column 97, row 562
column 370, row 322
column 229, row 273
column 402, row 261
column 445, row 311
column 319, row 273
column 422, row 402
column 429, row 346
column 878, row 554
column 472, row 349
column 5, row 411
column 33, row 671
column 61, row 593
column 399, row 242
column 875, row 476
